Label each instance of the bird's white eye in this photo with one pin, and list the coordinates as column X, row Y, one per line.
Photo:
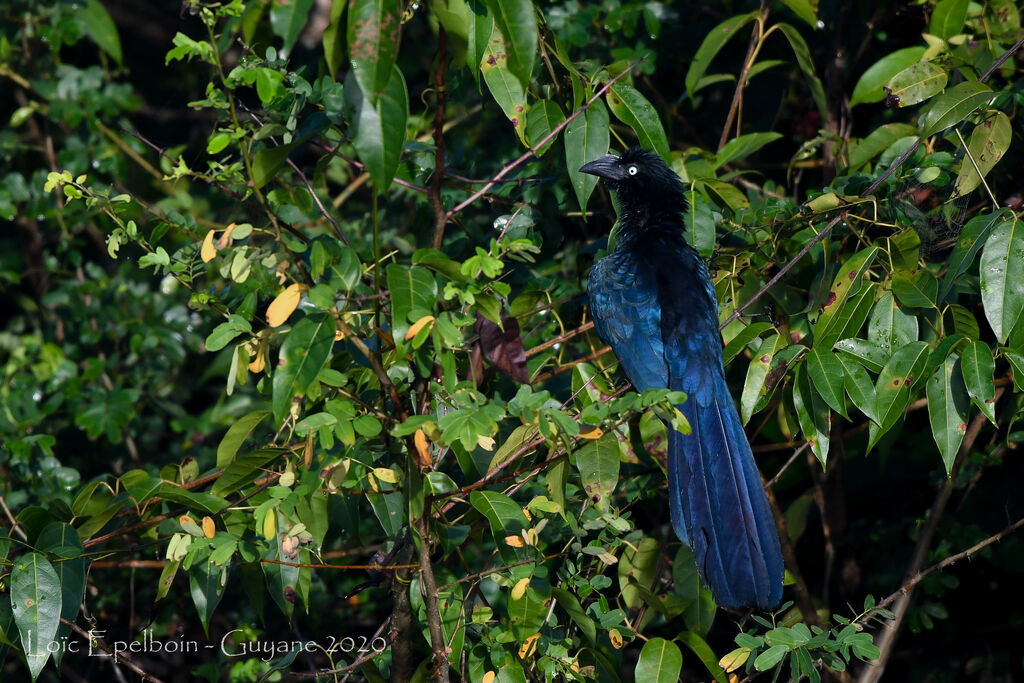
column 632, row 170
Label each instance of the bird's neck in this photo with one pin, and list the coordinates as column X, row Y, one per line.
column 645, row 223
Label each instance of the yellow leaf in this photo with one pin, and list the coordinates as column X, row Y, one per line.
column 590, row 432
column 338, row 335
column 489, row 677
column 422, row 448
column 616, row 638
column 260, row 361
column 519, row 590
column 735, row 659
column 529, row 646
column 270, row 525
column 385, row 474
column 514, row 541
column 224, row 239
column 284, row 305
column 419, row 325
column 185, row 519
column 485, row 442
column 531, row 536
column 208, row 527
column 208, row 251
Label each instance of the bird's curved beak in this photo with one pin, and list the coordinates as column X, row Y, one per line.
column 608, row 167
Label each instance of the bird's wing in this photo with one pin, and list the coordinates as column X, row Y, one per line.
column 623, row 297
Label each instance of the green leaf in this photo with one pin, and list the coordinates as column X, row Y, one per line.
column 859, row 386
column 1002, row 277
column 633, row 109
column 287, row 19
column 979, row 369
column 413, row 294
column 333, row 39
column 700, row 225
column 813, row 415
column 505, row 515
column 989, row 142
column 236, row 435
column 805, row 9
column 571, row 604
column 378, row 129
column 879, row 140
column 36, row 599
column 948, row 18
column 891, row 327
column 303, row 354
column 541, row 119
column 806, row 64
column 871, row 85
column 636, row 569
column 62, row 540
column 916, row 83
column 869, row 354
column 660, row 662
column 586, row 139
column 707, row 656
column 826, row 374
column 892, row 388
column 953, row 106
column 947, row 408
column 244, row 470
column 226, row 331
column 972, row 237
column 518, row 25
column 920, row 290
column 480, row 25
column 506, row 88
column 770, row 657
column 267, row 161
column 374, row 28
column 847, row 282
column 598, row 464
column 743, row 146
column 206, row 584
column 757, row 373
column 98, row 25
column 713, row 42
column 742, row 339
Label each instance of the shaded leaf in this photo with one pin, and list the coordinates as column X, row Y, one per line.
column 1002, row 277
column 374, row 28
column 660, row 662
column 979, row 369
column 518, row 25
column 948, row 18
column 36, row 600
column 586, row 139
column 378, row 128
column 871, row 85
column 712, row 44
column 503, row 347
column 947, row 409
column 633, row 109
column 303, row 354
column 287, row 19
column 989, row 142
column 743, row 146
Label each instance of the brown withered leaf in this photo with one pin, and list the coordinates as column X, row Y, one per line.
column 503, row 347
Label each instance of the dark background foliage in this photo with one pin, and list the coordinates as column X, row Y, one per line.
column 136, row 447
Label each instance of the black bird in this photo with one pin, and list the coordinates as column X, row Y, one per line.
column 653, row 302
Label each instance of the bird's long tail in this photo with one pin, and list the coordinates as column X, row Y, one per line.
column 719, row 506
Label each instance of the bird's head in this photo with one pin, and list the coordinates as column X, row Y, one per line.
column 640, row 178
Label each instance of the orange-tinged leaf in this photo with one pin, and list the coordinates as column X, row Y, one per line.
column 224, row 239
column 422, row 448
column 616, row 638
column 185, row 519
column 419, row 325
column 529, row 645
column 514, row 541
column 519, row 590
column 208, row 251
column 489, row 677
column 284, row 304
column 590, row 432
column 208, row 527
column 338, row 335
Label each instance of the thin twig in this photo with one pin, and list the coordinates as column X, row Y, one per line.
column 120, row 657
column 533, row 150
